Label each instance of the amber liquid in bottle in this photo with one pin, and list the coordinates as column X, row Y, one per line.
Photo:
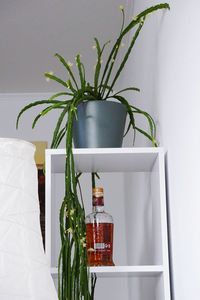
column 99, row 233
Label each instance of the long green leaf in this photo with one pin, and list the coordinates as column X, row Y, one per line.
column 44, row 112
column 126, row 56
column 70, row 86
column 132, row 120
column 128, row 89
column 55, row 78
column 128, row 128
column 130, row 26
column 150, row 120
column 143, row 14
column 57, row 128
column 98, row 64
column 98, row 68
column 66, row 65
column 59, row 94
column 53, row 106
column 109, row 67
column 25, row 108
column 123, row 20
column 128, row 107
column 152, row 139
column 80, row 70
column 148, row 116
column 110, row 61
column 83, row 72
column 59, row 137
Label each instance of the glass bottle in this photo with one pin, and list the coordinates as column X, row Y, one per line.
column 99, row 232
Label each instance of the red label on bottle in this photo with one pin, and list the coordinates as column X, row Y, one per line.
column 99, row 244
column 97, row 201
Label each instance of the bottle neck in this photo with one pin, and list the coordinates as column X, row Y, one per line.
column 96, row 209
column 98, row 204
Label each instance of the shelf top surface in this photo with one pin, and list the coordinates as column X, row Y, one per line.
column 154, row 270
column 106, row 159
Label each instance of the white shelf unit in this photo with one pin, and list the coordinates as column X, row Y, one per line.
column 143, row 263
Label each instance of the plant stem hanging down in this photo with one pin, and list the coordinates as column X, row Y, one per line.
column 73, row 256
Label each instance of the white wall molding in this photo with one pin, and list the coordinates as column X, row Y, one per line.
column 22, row 96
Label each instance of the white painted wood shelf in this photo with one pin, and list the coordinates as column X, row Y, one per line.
column 105, row 159
column 119, row 271
column 147, row 244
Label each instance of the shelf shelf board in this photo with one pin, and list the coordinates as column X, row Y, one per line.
column 124, row 271
column 106, row 159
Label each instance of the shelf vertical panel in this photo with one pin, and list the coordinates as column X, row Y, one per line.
column 155, row 194
column 159, row 223
column 164, row 226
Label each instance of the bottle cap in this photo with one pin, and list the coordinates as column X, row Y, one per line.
column 97, row 196
column 97, row 191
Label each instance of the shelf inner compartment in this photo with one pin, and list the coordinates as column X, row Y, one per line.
column 106, row 159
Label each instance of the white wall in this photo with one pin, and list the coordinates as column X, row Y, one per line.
column 166, row 65
column 140, row 69
column 178, row 106
column 31, row 32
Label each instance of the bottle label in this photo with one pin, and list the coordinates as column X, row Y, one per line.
column 97, row 201
column 99, row 243
column 102, row 246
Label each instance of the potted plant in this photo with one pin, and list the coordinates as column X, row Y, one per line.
column 73, row 274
